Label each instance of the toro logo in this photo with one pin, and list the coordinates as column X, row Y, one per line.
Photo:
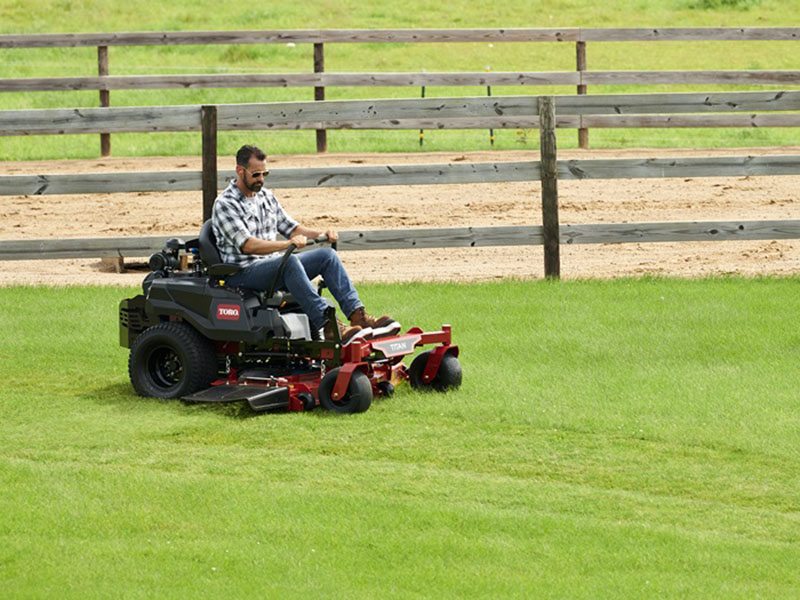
column 228, row 312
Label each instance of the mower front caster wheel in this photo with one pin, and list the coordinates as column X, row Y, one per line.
column 357, row 398
column 448, row 377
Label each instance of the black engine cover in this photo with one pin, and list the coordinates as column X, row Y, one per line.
column 218, row 313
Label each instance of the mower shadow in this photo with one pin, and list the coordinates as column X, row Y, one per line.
column 121, row 396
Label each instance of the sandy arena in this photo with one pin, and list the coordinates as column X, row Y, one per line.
column 401, row 207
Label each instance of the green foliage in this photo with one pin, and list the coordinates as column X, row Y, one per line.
column 631, row 438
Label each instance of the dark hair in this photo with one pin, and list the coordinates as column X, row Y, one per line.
column 246, row 152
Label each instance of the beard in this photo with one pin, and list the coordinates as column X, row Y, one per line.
column 255, row 186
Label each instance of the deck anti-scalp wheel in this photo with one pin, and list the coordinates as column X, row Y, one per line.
column 357, row 398
column 448, row 377
column 309, row 403
column 386, row 389
column 170, row 360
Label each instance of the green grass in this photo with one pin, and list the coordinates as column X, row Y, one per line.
column 42, row 16
column 630, row 438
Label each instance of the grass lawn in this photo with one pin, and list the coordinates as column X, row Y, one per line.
column 58, row 16
column 630, row 438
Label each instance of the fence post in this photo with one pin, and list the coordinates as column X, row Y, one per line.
column 583, row 134
column 208, row 121
column 549, row 176
column 319, row 93
column 105, row 97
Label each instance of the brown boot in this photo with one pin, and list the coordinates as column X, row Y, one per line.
column 361, row 319
column 345, row 332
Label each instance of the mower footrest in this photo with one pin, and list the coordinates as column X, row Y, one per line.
column 260, row 398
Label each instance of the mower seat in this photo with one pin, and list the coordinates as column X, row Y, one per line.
column 209, row 254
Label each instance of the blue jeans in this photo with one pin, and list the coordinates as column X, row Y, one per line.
column 300, row 270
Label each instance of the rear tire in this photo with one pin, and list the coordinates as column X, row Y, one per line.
column 358, row 397
column 448, row 377
column 170, row 360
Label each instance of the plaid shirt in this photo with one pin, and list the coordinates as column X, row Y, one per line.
column 236, row 218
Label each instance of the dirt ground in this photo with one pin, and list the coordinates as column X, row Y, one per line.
column 400, row 207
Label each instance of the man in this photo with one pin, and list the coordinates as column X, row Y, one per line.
column 247, row 218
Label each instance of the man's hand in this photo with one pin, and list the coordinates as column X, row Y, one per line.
column 333, row 237
column 298, row 240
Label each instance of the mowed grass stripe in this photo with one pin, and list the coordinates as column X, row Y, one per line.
column 495, row 532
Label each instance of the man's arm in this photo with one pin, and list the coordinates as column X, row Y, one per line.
column 254, row 245
column 313, row 233
column 299, row 237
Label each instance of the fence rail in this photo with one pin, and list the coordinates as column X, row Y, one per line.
column 582, row 77
column 370, row 36
column 496, row 78
column 452, row 237
column 414, row 174
column 482, row 112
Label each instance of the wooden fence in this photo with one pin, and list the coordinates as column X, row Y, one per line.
column 741, row 109
column 319, row 79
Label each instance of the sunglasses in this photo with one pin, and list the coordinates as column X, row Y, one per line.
column 257, row 174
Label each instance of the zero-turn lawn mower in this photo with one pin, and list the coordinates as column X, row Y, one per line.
column 193, row 338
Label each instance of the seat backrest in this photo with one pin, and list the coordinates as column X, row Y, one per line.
column 207, row 242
